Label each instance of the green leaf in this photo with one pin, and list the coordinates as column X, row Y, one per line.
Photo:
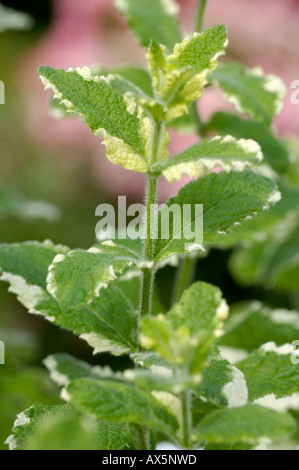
column 64, row 369
column 26, row 422
column 117, row 436
column 201, row 408
column 108, row 323
column 179, row 78
column 132, row 80
column 76, row 279
column 266, row 226
column 222, row 383
column 227, row 199
column 199, row 309
column 253, row 93
column 251, row 423
column 255, row 324
column 226, row 153
column 270, row 370
column 21, row 385
column 50, row 434
column 12, row 203
column 43, row 428
column 186, row 333
column 126, row 130
column 275, row 152
column 117, row 402
column 11, row 19
column 156, row 20
column 150, row 360
column 27, row 263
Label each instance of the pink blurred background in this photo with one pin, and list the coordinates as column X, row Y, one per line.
column 261, row 32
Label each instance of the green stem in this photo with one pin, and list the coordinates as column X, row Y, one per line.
column 147, row 287
column 151, row 199
column 186, row 419
column 184, row 277
column 200, row 15
column 149, row 269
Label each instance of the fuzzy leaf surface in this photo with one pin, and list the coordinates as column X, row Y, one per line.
column 250, row 424
column 117, row 402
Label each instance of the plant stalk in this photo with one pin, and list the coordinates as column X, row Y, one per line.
column 186, row 418
column 149, row 269
column 200, row 15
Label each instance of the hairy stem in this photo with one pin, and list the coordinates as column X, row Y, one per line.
column 147, row 288
column 149, row 270
column 186, row 419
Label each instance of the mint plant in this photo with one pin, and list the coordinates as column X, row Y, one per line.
column 180, row 387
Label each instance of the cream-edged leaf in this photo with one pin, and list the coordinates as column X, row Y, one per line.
column 64, row 369
column 254, row 324
column 276, row 153
column 43, row 428
column 127, row 132
column 222, row 383
column 251, row 424
column 227, row 199
column 270, row 370
column 185, row 334
column 226, row 153
column 179, row 78
column 251, row 91
column 75, row 279
column 108, row 323
column 28, row 261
